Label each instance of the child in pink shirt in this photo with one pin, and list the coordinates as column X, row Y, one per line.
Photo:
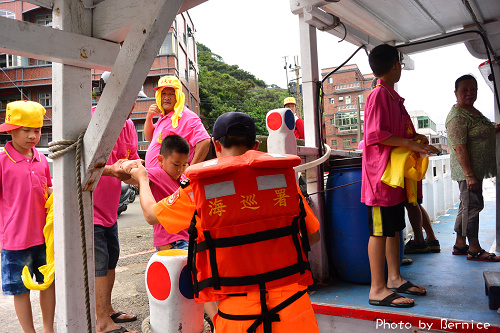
column 25, row 185
column 164, row 180
column 387, row 125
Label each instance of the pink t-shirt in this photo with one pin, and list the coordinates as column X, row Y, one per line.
column 107, row 191
column 190, row 128
column 23, row 193
column 163, row 186
column 385, row 116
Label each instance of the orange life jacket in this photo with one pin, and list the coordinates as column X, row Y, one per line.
column 252, row 234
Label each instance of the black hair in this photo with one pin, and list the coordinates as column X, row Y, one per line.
column 464, row 78
column 174, row 143
column 235, row 138
column 382, row 58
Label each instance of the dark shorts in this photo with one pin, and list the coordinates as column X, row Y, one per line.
column 106, row 248
column 386, row 221
column 13, row 263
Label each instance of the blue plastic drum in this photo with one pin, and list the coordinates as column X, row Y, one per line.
column 346, row 225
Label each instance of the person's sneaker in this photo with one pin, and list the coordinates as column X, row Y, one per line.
column 434, row 246
column 412, row 248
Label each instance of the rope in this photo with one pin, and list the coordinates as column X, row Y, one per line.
column 335, row 188
column 57, row 149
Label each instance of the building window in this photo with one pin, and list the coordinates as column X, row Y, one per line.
column 7, row 13
column 44, row 19
column 347, row 143
column 332, row 100
column 332, row 121
column 360, row 96
column 348, row 121
column 330, row 80
column 334, row 143
column 140, row 132
column 354, row 140
column 341, row 98
column 45, row 98
column 435, row 140
column 348, row 99
column 423, row 123
column 169, row 46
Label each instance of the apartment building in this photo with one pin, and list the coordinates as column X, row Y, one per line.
column 425, row 125
column 345, row 93
column 31, row 79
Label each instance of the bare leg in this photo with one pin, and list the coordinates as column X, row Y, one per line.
column 22, row 305
column 461, row 241
column 210, row 309
column 394, row 274
column 48, row 305
column 376, row 254
column 415, row 217
column 426, row 224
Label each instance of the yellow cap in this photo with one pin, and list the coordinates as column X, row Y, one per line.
column 289, row 100
column 23, row 114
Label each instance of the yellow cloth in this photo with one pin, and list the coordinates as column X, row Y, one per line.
column 179, row 96
column 47, row 270
column 404, row 169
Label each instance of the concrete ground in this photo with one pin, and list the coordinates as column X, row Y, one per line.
column 129, row 292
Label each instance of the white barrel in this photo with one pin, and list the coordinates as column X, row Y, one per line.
column 171, row 300
column 280, row 124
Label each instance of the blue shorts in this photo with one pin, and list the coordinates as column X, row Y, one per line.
column 13, row 263
column 181, row 244
column 106, row 248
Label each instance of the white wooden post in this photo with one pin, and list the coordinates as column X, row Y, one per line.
column 71, row 100
column 314, row 176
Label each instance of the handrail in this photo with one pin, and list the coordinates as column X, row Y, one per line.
column 316, row 162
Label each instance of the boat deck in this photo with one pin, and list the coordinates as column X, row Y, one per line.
column 455, row 300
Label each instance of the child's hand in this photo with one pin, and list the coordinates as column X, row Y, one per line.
column 127, row 166
column 423, row 148
column 139, row 173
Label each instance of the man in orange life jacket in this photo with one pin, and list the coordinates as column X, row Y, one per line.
column 247, row 205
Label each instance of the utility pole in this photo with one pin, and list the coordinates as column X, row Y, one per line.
column 286, row 72
column 298, row 108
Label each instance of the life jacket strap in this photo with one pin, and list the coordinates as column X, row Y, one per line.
column 213, row 259
column 268, row 318
column 191, row 259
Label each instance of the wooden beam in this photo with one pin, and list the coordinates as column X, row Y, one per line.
column 112, row 18
column 129, row 72
column 45, row 43
column 43, row 3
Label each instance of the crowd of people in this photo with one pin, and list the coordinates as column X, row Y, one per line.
column 200, row 208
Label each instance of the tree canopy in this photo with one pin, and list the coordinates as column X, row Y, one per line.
column 225, row 88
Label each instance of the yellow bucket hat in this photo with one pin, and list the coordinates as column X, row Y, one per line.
column 171, row 81
column 289, row 100
column 23, row 114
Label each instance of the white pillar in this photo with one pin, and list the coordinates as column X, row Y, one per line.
column 71, row 101
column 496, row 72
column 314, row 176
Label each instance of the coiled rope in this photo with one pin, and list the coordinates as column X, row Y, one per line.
column 57, row 149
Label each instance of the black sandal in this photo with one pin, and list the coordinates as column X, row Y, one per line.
column 491, row 257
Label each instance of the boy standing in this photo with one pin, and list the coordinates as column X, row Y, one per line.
column 387, row 125
column 25, row 185
column 242, row 213
column 164, row 180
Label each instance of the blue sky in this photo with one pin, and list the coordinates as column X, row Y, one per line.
column 256, row 35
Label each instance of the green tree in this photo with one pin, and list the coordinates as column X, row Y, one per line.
column 225, row 88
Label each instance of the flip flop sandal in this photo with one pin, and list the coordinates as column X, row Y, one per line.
column 404, row 289
column 388, row 302
column 117, row 320
column 460, row 250
column 118, row 330
column 477, row 256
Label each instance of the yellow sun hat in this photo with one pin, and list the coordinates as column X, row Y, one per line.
column 170, row 81
column 23, row 114
column 289, row 100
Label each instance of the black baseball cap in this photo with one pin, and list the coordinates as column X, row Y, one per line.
column 234, row 123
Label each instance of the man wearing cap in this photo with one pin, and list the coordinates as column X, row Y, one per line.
column 241, row 200
column 291, row 104
column 175, row 118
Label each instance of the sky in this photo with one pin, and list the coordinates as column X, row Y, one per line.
column 256, row 35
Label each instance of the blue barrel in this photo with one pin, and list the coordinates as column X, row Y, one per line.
column 346, row 225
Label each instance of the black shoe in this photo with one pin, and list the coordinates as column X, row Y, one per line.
column 412, row 248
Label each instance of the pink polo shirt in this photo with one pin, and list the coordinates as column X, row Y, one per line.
column 23, row 193
column 190, row 128
column 163, row 186
column 385, row 116
column 107, row 191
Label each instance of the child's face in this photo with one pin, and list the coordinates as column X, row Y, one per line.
column 25, row 138
column 174, row 165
